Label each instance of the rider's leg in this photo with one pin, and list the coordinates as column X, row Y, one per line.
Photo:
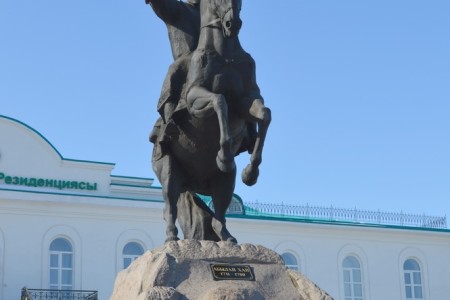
column 202, row 104
column 163, row 132
column 170, row 95
column 169, row 128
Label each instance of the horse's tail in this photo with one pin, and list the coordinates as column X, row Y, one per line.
column 195, row 218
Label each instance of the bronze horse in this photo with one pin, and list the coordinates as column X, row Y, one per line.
column 223, row 101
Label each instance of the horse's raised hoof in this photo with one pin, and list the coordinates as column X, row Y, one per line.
column 224, row 163
column 250, row 175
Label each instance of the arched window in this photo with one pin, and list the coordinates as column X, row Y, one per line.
column 290, row 261
column 413, row 279
column 353, row 289
column 61, row 265
column 130, row 252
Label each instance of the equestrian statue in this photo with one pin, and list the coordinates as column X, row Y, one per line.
column 211, row 110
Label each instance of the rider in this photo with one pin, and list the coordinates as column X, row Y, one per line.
column 183, row 24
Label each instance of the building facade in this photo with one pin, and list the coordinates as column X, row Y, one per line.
column 68, row 224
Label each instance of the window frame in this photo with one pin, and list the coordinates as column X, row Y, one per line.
column 421, row 259
column 131, row 257
column 360, row 254
column 413, row 285
column 295, row 249
column 71, row 235
column 351, row 284
column 60, row 268
column 131, row 235
column 295, row 267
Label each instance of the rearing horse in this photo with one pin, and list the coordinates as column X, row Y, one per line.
column 223, row 100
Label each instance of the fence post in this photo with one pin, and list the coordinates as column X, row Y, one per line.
column 24, row 294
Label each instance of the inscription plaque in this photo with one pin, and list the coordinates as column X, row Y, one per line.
column 232, row 272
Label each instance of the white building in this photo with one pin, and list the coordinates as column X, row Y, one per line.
column 67, row 224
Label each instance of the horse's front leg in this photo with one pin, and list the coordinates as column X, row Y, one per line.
column 256, row 112
column 170, row 179
column 203, row 104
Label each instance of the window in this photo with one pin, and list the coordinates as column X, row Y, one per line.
column 413, row 279
column 61, row 265
column 130, row 252
column 352, row 279
column 290, row 261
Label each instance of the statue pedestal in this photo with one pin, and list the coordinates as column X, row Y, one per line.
column 207, row 270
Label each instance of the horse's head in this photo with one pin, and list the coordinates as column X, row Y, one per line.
column 228, row 11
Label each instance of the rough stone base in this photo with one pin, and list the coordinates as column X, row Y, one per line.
column 181, row 271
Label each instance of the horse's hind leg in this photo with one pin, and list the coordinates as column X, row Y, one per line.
column 169, row 177
column 260, row 114
column 222, row 193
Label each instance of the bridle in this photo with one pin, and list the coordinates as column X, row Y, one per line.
column 219, row 19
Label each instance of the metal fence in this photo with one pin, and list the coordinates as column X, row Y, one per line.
column 350, row 215
column 41, row 294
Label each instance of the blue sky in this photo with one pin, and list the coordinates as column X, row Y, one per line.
column 359, row 90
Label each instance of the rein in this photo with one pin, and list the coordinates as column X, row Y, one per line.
column 217, row 20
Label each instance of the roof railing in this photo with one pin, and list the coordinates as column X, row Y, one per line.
column 48, row 294
column 346, row 215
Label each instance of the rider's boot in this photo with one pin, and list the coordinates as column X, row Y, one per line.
column 156, row 131
column 165, row 131
column 169, row 131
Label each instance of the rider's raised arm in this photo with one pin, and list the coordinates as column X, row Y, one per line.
column 166, row 10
